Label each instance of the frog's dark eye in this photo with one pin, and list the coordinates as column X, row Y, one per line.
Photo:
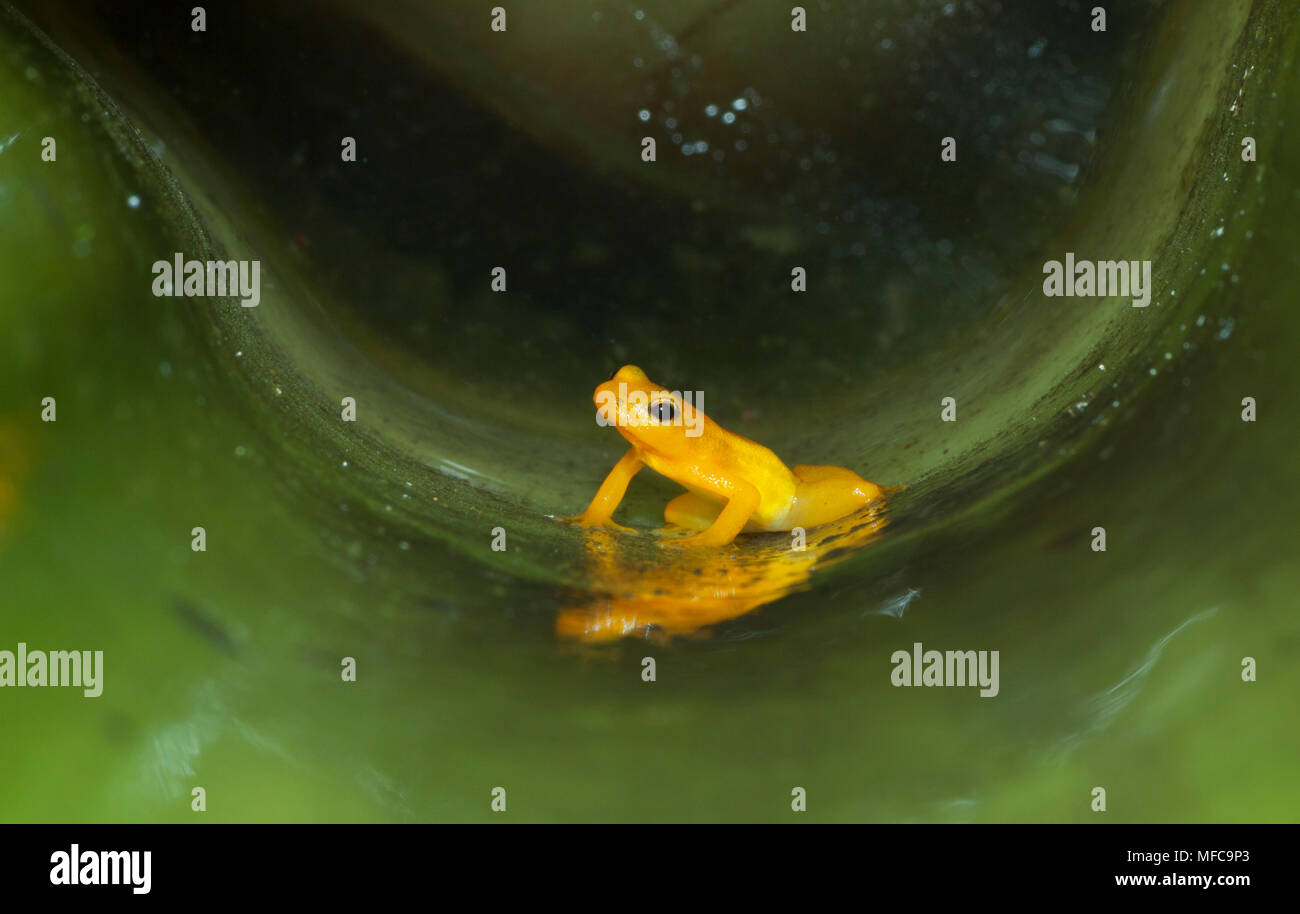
column 664, row 411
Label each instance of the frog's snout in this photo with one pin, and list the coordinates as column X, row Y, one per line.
column 606, row 409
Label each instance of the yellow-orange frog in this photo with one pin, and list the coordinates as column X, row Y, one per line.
column 734, row 484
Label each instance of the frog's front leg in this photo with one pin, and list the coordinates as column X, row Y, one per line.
column 611, row 492
column 742, row 502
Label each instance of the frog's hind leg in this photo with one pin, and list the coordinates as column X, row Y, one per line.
column 839, row 476
column 827, row 493
column 694, row 512
column 817, row 474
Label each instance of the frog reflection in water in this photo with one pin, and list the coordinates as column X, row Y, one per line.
column 650, row 593
column 734, row 484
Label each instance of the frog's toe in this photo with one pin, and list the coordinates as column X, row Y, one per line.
column 596, row 520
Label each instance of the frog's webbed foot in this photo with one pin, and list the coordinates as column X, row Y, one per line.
column 587, row 519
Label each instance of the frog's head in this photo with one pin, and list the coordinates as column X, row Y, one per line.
column 648, row 415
